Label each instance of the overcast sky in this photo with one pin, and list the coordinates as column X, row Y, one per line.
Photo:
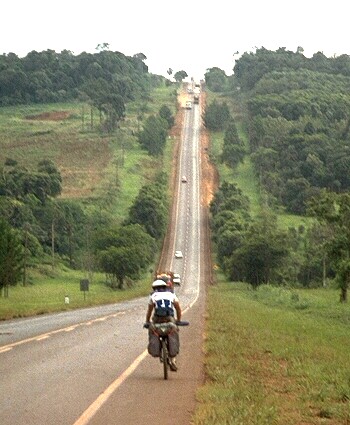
column 181, row 35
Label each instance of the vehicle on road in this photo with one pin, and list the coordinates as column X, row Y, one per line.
column 188, row 104
column 178, row 254
column 163, row 330
column 184, row 179
column 176, row 279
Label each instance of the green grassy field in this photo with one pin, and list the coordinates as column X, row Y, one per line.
column 275, row 357
column 50, row 289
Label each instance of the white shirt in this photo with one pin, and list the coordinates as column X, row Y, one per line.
column 163, row 300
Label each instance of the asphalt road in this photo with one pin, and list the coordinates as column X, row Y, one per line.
column 90, row 366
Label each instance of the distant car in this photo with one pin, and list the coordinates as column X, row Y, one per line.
column 178, row 254
column 176, row 279
column 188, row 104
column 184, row 179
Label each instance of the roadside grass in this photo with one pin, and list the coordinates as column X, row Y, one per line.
column 275, row 356
column 51, row 287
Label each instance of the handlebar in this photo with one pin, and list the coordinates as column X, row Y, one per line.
column 146, row 325
column 182, row 323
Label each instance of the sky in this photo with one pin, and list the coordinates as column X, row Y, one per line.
column 190, row 36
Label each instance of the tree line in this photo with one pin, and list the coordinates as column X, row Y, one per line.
column 48, row 76
column 106, row 80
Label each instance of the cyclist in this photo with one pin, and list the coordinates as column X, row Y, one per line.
column 168, row 279
column 163, row 303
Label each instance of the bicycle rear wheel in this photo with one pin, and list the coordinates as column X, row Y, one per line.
column 165, row 359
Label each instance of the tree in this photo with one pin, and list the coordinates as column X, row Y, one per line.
column 217, row 116
column 166, row 114
column 107, row 98
column 262, row 252
column 124, row 251
column 55, row 180
column 70, row 229
column 333, row 210
column 216, row 79
column 229, row 197
column 180, row 75
column 233, row 151
column 18, row 182
column 11, row 257
column 343, row 278
column 118, row 263
column 14, row 85
column 296, row 194
column 140, row 56
column 153, row 135
column 150, row 209
column 114, row 109
column 102, row 46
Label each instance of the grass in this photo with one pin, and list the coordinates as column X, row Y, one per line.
column 275, row 356
column 51, row 287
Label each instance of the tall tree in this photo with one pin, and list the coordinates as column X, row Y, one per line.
column 262, row 252
column 11, row 257
column 153, row 135
column 150, row 209
column 333, row 210
column 233, row 150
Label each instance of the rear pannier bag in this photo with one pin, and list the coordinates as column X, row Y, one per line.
column 153, row 344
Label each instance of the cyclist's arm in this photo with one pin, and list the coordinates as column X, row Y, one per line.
column 149, row 312
column 178, row 310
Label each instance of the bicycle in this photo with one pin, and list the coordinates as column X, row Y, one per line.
column 163, row 330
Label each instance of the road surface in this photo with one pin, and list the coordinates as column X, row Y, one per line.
column 90, row 366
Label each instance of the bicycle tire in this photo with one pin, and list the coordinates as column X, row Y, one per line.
column 165, row 359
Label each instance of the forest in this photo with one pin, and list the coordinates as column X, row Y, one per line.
column 40, row 226
column 295, row 112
